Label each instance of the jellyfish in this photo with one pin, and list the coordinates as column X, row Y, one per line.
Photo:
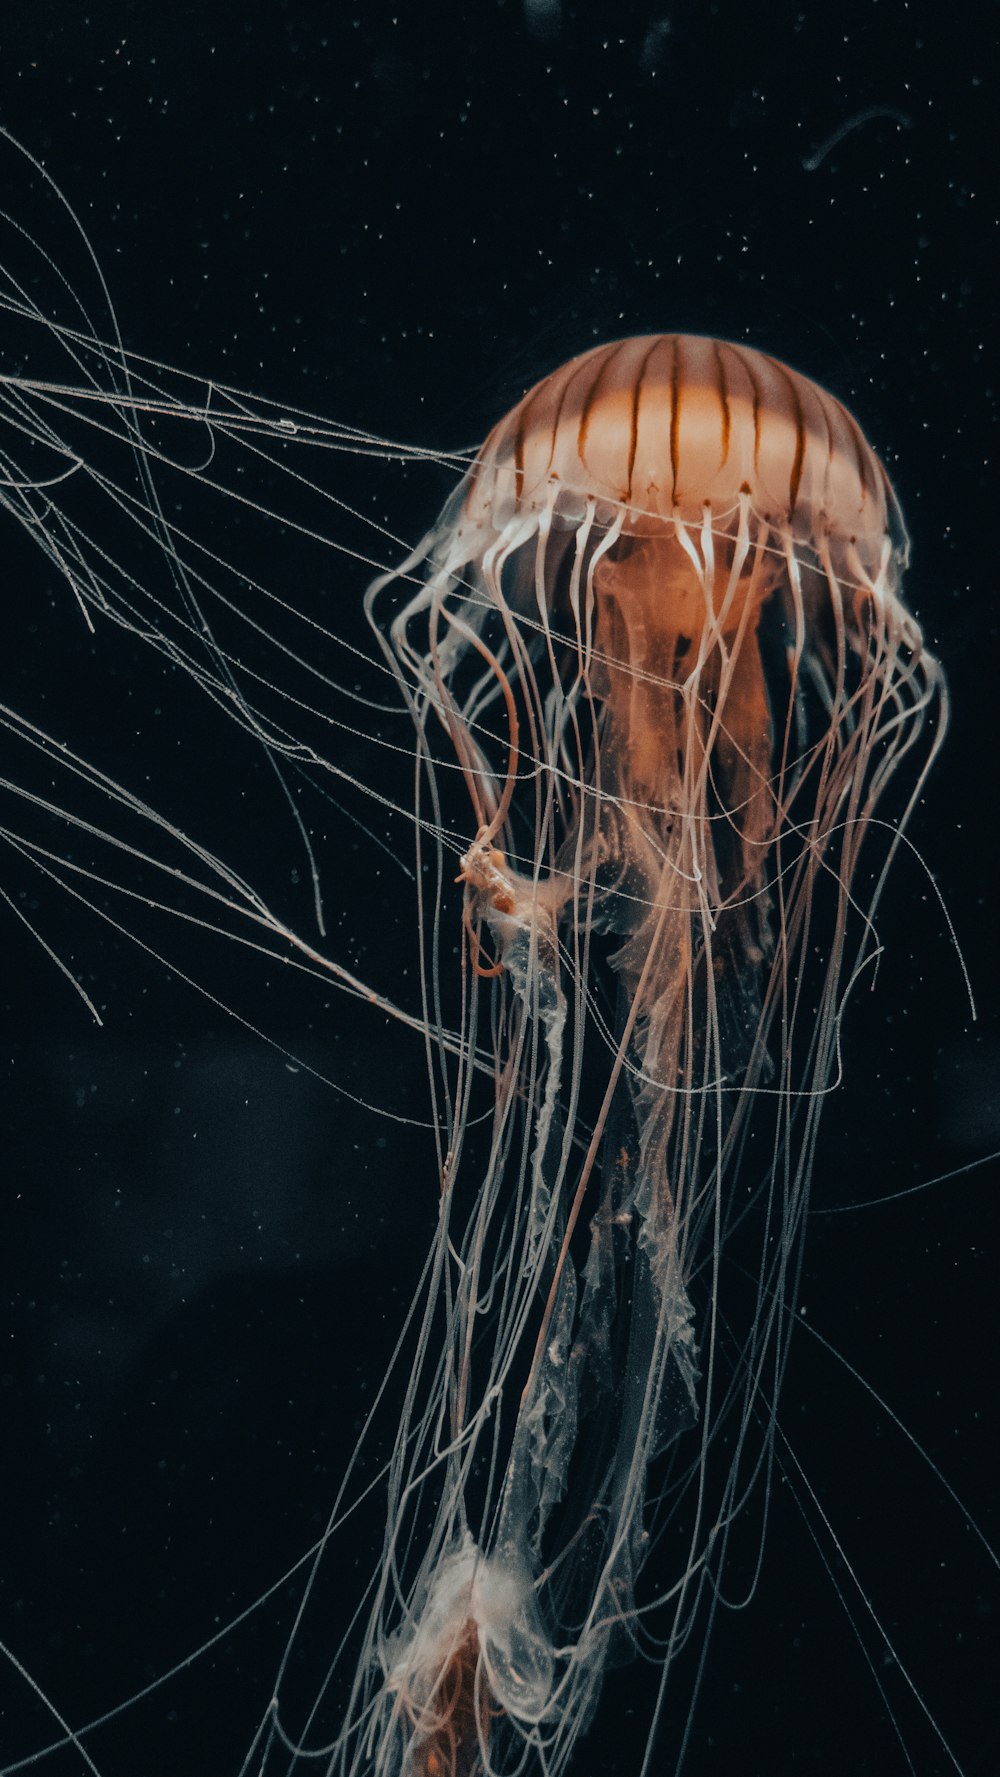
column 658, row 679
column 658, row 633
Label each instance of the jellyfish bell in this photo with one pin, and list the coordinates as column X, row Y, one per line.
column 694, row 481
column 660, row 428
column 659, row 631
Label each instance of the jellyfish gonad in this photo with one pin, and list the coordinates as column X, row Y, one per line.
column 658, row 639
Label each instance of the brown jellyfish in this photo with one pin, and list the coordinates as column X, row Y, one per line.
column 658, row 638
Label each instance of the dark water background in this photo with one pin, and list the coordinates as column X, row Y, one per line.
column 400, row 216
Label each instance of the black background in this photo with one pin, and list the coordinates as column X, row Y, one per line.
column 400, row 217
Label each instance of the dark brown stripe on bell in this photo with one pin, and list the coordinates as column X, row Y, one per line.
column 633, row 438
column 557, row 417
column 748, row 367
column 675, row 416
column 723, row 398
column 522, row 416
column 800, row 431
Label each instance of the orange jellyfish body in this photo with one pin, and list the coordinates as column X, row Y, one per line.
column 659, row 636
